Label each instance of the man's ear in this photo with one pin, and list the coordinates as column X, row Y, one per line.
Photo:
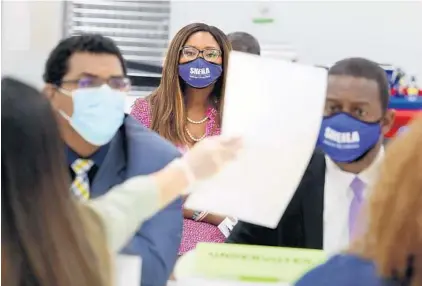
column 388, row 121
column 49, row 91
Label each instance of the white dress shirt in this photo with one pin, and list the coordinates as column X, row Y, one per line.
column 337, row 199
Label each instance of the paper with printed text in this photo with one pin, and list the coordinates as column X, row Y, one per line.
column 277, row 107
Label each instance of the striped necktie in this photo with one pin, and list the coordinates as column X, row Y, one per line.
column 357, row 187
column 80, row 185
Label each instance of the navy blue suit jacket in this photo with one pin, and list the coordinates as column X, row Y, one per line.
column 136, row 150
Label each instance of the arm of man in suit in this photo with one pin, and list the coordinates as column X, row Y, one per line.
column 247, row 233
column 158, row 240
column 289, row 230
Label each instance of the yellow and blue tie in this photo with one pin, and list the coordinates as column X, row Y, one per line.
column 80, row 185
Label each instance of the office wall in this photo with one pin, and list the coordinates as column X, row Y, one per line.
column 321, row 32
column 29, row 30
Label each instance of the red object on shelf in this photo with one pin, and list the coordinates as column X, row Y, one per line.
column 402, row 119
column 394, row 92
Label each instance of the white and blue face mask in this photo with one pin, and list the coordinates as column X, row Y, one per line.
column 345, row 139
column 98, row 113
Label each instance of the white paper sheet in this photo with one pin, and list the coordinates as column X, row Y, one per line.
column 128, row 270
column 277, row 107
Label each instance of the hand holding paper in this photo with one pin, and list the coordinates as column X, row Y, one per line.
column 276, row 107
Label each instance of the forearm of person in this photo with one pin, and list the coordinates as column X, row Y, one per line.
column 209, row 218
column 172, row 183
column 126, row 206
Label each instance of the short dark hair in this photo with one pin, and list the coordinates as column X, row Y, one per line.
column 57, row 63
column 244, row 42
column 363, row 68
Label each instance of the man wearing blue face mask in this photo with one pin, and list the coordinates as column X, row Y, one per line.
column 86, row 82
column 323, row 212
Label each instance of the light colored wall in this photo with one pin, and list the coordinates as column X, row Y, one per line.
column 322, row 32
column 29, row 30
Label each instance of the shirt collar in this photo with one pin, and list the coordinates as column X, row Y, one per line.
column 98, row 156
column 368, row 176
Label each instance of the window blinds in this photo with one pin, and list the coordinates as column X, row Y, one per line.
column 140, row 29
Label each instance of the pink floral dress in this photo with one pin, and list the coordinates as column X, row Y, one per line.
column 193, row 232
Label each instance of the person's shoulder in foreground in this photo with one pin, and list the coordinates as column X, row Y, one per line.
column 343, row 270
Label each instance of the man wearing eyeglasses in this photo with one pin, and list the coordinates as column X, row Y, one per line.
column 86, row 82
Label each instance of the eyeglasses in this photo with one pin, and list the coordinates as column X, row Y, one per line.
column 120, row 83
column 192, row 53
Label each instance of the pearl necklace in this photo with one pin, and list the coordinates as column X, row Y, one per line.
column 199, row 121
column 193, row 138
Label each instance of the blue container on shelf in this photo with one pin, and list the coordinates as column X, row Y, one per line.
column 395, row 77
column 389, row 70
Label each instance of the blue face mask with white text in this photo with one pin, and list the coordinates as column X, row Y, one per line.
column 345, row 139
column 200, row 73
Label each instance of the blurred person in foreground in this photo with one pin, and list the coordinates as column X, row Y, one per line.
column 48, row 237
column 244, row 42
column 187, row 107
column 323, row 210
column 87, row 84
column 389, row 250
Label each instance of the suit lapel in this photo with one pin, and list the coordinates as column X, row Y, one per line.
column 112, row 170
column 313, row 202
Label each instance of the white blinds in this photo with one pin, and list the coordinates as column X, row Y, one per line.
column 140, row 28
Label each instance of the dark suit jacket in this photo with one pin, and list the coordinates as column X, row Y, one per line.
column 302, row 223
column 136, row 150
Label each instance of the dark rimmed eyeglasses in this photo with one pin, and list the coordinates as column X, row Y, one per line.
column 191, row 53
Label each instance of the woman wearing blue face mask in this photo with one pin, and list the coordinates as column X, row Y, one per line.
column 187, row 107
